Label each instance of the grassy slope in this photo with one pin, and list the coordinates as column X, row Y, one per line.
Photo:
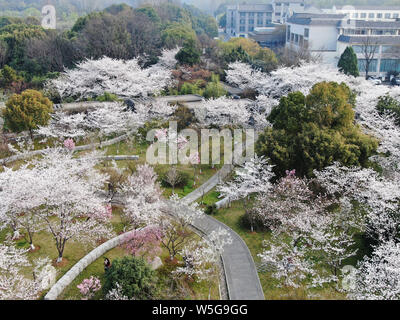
column 231, row 217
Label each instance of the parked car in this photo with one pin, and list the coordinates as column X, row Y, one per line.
column 375, row 80
column 395, row 81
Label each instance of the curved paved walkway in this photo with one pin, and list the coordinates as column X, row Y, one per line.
column 26, row 155
column 241, row 274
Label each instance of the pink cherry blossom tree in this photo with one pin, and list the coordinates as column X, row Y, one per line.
column 89, row 287
column 144, row 242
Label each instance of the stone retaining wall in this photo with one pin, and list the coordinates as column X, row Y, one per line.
column 30, row 154
column 82, row 264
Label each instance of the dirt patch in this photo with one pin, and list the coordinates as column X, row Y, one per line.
column 37, row 248
column 61, row 264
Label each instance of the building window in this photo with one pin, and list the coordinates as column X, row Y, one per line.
column 363, row 15
column 387, row 15
column 242, row 14
column 372, row 66
column 355, row 15
column 251, row 21
column 260, row 22
column 390, row 49
column 288, row 33
column 251, row 14
column 371, row 15
column 242, row 21
column 357, row 49
column 269, row 14
column 395, row 15
column 242, row 29
column 389, row 32
column 251, row 28
column 278, row 14
column 379, row 15
column 306, row 32
column 388, row 65
column 260, row 15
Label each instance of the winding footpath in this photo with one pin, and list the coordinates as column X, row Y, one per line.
column 241, row 275
column 30, row 154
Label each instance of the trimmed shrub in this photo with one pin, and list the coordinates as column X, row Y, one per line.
column 135, row 277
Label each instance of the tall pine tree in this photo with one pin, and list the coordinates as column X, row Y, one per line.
column 348, row 62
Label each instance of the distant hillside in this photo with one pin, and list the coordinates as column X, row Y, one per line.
column 218, row 6
column 331, row 3
column 68, row 11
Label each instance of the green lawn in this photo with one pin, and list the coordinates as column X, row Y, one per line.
column 231, row 217
column 140, row 149
column 191, row 290
column 74, row 251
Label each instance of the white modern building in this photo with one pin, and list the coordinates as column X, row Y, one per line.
column 328, row 35
column 282, row 10
column 317, row 33
column 370, row 13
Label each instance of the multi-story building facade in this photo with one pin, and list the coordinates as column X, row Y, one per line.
column 317, row 33
column 328, row 35
column 282, row 9
column 379, row 40
column 370, row 13
column 241, row 19
column 244, row 18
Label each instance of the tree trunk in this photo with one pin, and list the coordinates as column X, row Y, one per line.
column 366, row 70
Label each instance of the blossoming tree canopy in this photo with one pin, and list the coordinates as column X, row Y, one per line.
column 91, row 78
column 14, row 285
column 105, row 119
column 64, row 193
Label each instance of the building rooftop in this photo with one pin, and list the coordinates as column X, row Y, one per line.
column 316, row 18
column 375, row 8
column 288, row 1
column 373, row 40
column 251, row 7
column 271, row 28
column 378, row 24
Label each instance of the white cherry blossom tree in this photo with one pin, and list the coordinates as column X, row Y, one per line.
column 91, row 78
